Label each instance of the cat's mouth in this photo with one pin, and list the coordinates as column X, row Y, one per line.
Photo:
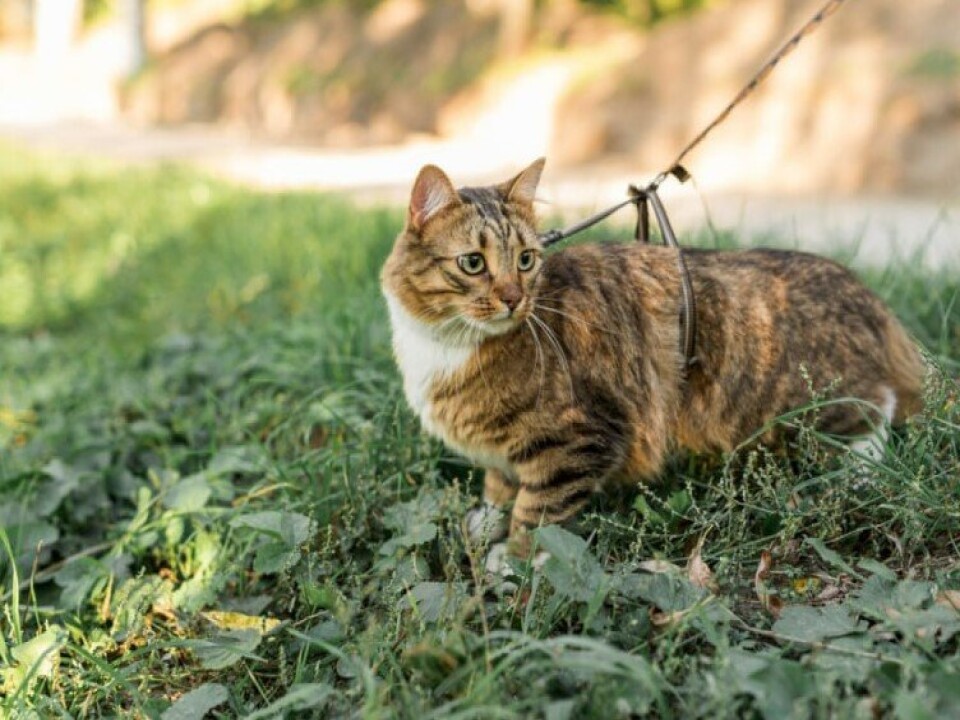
column 500, row 325
column 503, row 321
column 492, row 325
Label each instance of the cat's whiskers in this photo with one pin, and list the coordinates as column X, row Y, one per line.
column 540, row 357
column 558, row 348
column 540, row 306
column 478, row 329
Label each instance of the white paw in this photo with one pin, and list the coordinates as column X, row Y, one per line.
column 499, row 568
column 866, row 457
column 497, row 564
column 487, row 523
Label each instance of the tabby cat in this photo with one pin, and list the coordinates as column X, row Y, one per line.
column 560, row 372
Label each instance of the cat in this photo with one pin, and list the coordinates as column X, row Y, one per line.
column 561, row 372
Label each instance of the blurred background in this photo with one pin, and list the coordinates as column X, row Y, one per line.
column 195, row 359
column 857, row 134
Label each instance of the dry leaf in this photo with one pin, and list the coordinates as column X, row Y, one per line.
column 793, row 502
column 698, row 571
column 666, row 619
column 659, row 566
column 830, row 592
column 768, row 601
column 226, row 620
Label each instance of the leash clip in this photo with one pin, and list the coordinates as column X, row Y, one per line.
column 642, row 198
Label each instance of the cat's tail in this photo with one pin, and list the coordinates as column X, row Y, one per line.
column 906, row 369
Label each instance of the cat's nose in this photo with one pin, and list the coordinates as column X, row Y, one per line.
column 511, row 295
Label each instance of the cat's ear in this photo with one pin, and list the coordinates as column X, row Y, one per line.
column 432, row 192
column 523, row 188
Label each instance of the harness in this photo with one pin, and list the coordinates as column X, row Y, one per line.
column 643, row 198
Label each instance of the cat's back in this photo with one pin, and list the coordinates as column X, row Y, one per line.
column 791, row 283
column 612, row 277
column 770, row 323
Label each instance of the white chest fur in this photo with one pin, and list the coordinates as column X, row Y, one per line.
column 424, row 358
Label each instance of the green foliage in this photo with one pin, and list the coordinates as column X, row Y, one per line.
column 936, row 63
column 648, row 12
column 197, row 703
column 271, row 9
column 213, row 501
column 95, row 11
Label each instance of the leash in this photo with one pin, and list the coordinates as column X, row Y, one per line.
column 640, row 198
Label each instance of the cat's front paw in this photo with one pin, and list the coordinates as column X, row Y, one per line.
column 500, row 570
column 486, row 524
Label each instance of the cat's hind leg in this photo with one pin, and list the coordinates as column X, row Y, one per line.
column 870, row 447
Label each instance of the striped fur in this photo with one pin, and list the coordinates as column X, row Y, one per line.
column 581, row 383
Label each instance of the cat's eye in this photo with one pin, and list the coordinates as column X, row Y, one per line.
column 472, row 264
column 526, row 260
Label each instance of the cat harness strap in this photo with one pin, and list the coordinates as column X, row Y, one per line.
column 641, row 197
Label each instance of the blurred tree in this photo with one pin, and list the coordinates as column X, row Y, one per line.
column 134, row 22
column 516, row 22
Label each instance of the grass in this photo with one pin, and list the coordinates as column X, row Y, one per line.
column 213, row 500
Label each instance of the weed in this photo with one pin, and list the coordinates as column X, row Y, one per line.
column 214, row 502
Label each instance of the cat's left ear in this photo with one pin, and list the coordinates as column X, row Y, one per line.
column 523, row 188
column 432, row 192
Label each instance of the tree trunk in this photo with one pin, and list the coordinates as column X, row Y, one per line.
column 516, row 23
column 135, row 22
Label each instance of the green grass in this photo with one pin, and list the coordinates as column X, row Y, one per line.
column 211, row 494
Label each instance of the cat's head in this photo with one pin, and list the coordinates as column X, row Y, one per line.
column 468, row 260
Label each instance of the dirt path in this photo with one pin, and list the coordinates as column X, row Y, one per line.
column 875, row 229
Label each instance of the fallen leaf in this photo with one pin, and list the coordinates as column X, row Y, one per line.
column 768, row 601
column 226, row 620
column 666, row 619
column 698, row 571
column 659, row 566
column 794, row 501
column 830, row 592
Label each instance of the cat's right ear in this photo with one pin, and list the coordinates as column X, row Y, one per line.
column 432, row 192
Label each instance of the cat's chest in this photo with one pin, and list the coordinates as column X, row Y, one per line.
column 423, row 360
column 425, row 363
